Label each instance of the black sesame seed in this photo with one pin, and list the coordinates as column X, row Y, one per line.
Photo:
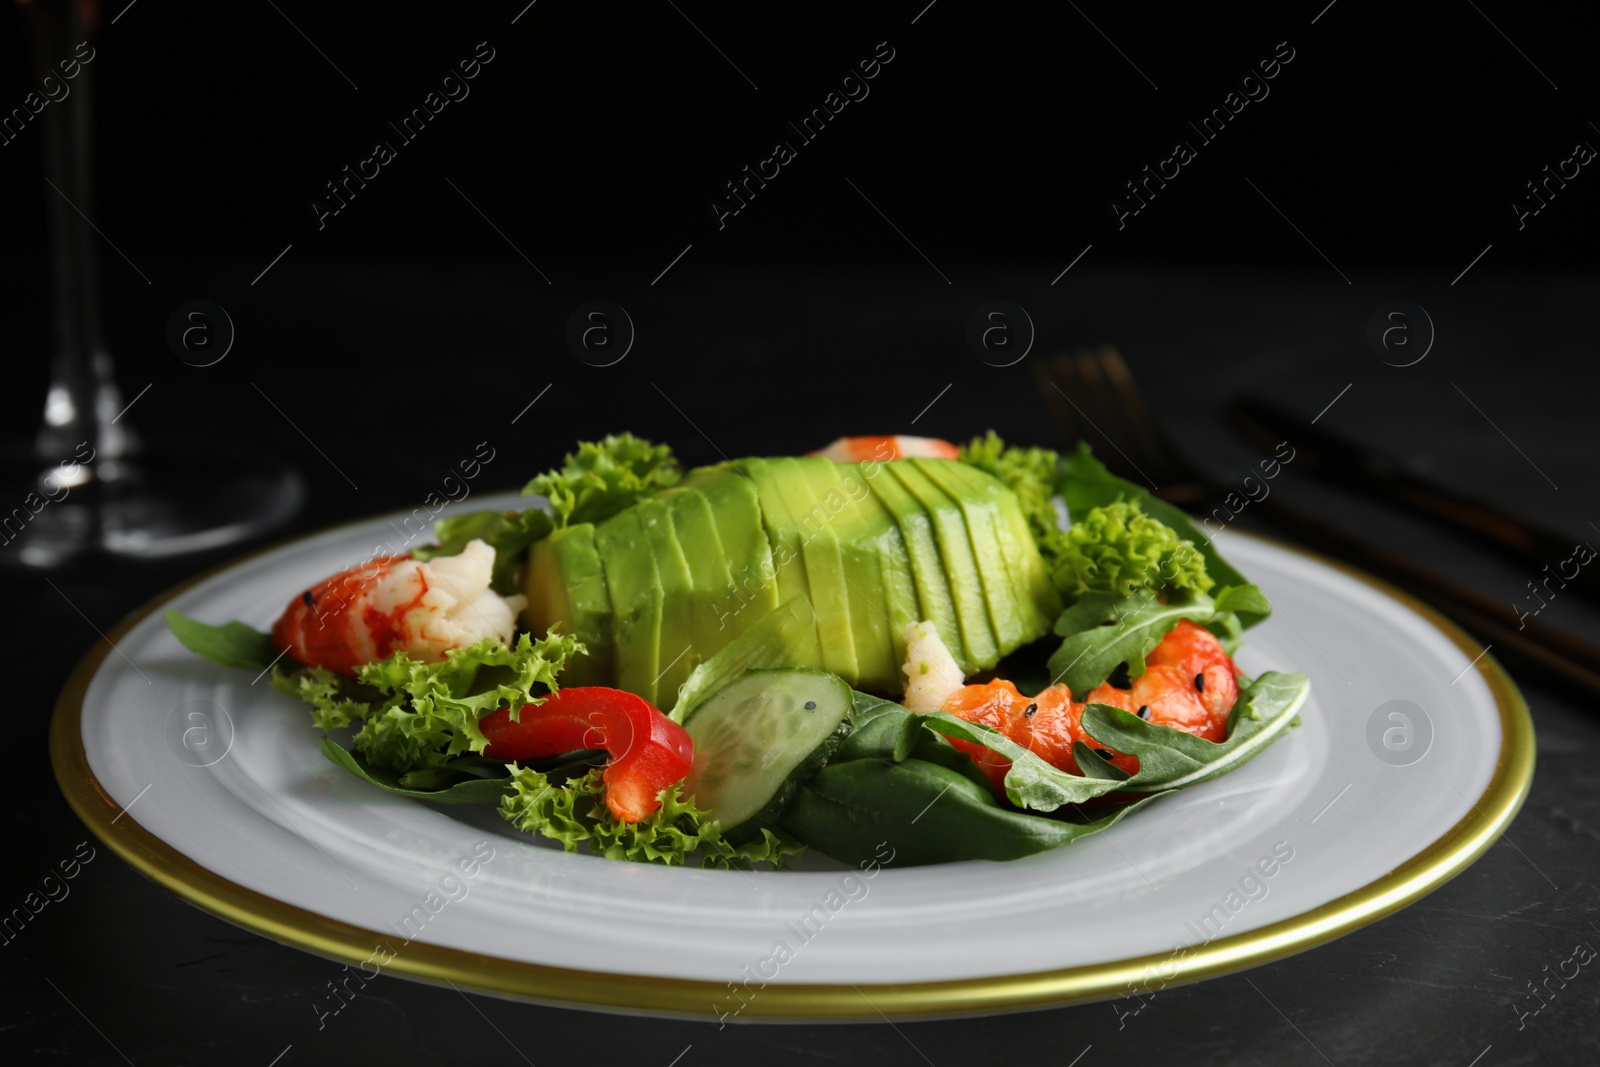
column 1200, row 682
column 309, row 600
column 1030, row 711
column 811, row 705
column 1103, row 753
column 1144, row 711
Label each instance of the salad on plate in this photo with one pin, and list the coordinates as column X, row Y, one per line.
column 974, row 652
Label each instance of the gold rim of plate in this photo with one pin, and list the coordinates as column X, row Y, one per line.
column 1430, row 868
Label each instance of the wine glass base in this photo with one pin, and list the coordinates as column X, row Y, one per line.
column 145, row 507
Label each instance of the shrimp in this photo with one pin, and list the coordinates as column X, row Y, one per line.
column 882, row 449
column 1196, row 654
column 1189, row 683
column 395, row 603
column 932, row 673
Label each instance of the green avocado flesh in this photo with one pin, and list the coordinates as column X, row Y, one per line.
column 934, row 602
column 566, row 588
column 675, row 642
column 791, row 479
column 736, row 510
column 960, row 566
column 709, row 577
column 636, row 597
column 663, row 586
column 879, row 606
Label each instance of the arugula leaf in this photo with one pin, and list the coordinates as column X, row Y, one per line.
column 1171, row 759
column 575, row 813
column 1085, row 483
column 233, row 644
column 1104, row 631
column 1031, row 783
column 472, row 784
column 416, row 714
column 603, row 477
column 509, row 533
column 1248, row 599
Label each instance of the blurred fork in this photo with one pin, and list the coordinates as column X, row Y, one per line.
column 1096, row 390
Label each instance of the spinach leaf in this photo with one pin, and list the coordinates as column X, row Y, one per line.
column 1085, row 483
column 1031, row 783
column 464, row 780
column 233, row 644
column 1104, row 631
column 923, row 813
column 886, row 730
column 1171, row 759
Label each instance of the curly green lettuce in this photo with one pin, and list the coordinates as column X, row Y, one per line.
column 415, row 714
column 603, row 477
column 1117, row 548
column 574, row 812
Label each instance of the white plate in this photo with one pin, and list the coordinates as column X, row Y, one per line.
column 1370, row 811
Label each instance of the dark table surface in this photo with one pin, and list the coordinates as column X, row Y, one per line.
column 393, row 369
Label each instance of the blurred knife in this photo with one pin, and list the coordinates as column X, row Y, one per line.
column 1377, row 474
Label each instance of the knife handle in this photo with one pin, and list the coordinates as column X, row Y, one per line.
column 1527, row 643
column 1376, row 474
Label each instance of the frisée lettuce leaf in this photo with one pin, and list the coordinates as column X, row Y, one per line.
column 574, row 813
column 414, row 714
column 603, row 477
column 592, row 484
column 1117, row 548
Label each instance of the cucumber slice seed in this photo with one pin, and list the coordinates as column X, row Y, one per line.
column 760, row 737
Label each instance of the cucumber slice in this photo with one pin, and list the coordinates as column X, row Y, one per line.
column 759, row 739
column 782, row 637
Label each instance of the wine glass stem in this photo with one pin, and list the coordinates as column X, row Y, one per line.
column 83, row 399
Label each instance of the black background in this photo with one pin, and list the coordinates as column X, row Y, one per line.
column 414, row 325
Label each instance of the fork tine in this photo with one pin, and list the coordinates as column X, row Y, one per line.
column 1095, row 409
column 1109, row 414
column 1045, row 373
column 1145, row 440
column 1180, row 482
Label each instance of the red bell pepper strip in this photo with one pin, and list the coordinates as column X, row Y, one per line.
column 648, row 751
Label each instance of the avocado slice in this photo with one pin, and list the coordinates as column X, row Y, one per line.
column 934, row 602
column 783, row 533
column 955, row 550
column 1038, row 598
column 859, row 529
column 636, row 601
column 819, row 546
column 566, row 586
column 735, row 506
column 1000, row 591
column 696, row 530
column 676, row 642
column 878, row 524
